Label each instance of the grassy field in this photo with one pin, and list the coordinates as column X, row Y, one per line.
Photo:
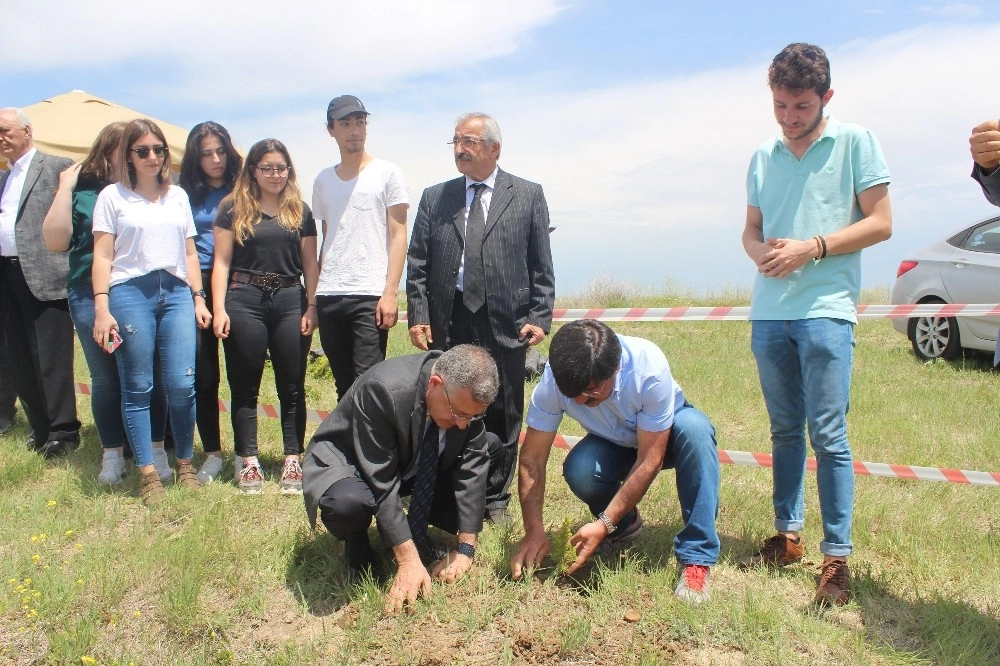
column 88, row 575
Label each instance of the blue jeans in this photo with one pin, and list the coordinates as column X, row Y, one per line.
column 105, row 386
column 805, row 375
column 596, row 468
column 155, row 315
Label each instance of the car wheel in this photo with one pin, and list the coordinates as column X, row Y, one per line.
column 935, row 337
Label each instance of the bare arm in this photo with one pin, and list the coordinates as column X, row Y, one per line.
column 652, row 447
column 532, row 461
column 201, row 314
column 100, row 276
column 220, row 279
column 57, row 227
column 387, row 310
column 310, row 270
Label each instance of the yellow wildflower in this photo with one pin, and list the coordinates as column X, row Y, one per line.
column 87, row 660
column 52, row 503
column 69, row 533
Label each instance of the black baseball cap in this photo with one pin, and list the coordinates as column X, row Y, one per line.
column 343, row 106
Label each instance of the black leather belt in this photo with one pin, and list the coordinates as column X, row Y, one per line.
column 265, row 281
column 10, row 261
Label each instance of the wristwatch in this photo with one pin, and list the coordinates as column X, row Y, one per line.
column 608, row 525
column 200, row 292
column 466, row 549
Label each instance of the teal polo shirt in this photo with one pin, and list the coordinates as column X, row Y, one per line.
column 814, row 196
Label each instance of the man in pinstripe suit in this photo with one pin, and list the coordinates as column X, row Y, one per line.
column 490, row 285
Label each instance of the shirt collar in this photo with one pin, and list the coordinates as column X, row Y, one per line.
column 830, row 131
column 488, row 182
column 22, row 163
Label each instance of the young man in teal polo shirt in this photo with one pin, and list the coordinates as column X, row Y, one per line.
column 816, row 196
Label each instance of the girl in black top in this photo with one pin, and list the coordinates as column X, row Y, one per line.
column 265, row 242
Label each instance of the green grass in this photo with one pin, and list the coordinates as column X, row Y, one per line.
column 210, row 577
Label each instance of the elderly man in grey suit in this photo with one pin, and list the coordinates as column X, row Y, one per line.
column 480, row 271
column 35, row 313
column 409, row 426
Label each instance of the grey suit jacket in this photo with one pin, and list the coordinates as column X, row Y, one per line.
column 990, row 184
column 520, row 284
column 44, row 271
column 377, row 429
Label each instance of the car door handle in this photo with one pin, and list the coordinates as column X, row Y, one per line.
column 960, row 263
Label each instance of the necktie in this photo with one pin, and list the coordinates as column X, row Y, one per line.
column 423, row 493
column 474, row 287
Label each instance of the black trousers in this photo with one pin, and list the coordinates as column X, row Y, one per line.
column 504, row 416
column 206, row 379
column 8, row 396
column 348, row 506
column 40, row 351
column 350, row 337
column 262, row 321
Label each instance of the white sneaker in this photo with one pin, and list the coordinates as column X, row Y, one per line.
column 251, row 479
column 112, row 468
column 237, row 467
column 162, row 465
column 210, row 470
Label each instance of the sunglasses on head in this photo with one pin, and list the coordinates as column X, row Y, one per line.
column 143, row 151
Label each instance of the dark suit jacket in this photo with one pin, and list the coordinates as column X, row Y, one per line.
column 520, row 285
column 990, row 184
column 44, row 271
column 377, row 429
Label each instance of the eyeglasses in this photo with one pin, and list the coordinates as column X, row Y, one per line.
column 457, row 416
column 143, row 151
column 465, row 141
column 218, row 152
column 596, row 393
column 279, row 170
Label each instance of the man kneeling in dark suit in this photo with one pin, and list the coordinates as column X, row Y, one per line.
column 411, row 425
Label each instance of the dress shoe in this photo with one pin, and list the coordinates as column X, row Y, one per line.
column 6, row 424
column 59, row 447
column 362, row 562
column 32, row 443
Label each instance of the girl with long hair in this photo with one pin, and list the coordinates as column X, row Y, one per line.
column 208, row 172
column 148, row 295
column 265, row 242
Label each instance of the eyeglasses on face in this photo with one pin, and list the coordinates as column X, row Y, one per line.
column 459, row 416
column 143, row 151
column 278, row 170
column 465, row 141
column 596, row 393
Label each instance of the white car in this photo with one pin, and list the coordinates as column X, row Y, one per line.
column 962, row 269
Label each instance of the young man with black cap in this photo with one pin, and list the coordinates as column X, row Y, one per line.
column 362, row 204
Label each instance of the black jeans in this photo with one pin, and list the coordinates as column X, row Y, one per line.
column 259, row 321
column 206, row 379
column 350, row 337
column 8, row 396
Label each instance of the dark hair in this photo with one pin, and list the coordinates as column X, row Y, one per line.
column 135, row 130
column 582, row 352
column 800, row 67
column 96, row 170
column 192, row 177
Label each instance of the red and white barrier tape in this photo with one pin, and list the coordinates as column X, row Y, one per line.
column 742, row 313
column 743, row 458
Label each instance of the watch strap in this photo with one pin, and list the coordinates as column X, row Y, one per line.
column 608, row 525
column 466, row 549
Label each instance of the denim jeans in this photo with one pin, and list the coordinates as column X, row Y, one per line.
column 805, row 375
column 105, row 386
column 155, row 315
column 262, row 321
column 596, row 468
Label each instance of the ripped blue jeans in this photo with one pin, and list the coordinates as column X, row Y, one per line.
column 155, row 315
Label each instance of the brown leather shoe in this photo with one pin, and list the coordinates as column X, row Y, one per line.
column 834, row 584
column 150, row 489
column 776, row 551
column 187, row 477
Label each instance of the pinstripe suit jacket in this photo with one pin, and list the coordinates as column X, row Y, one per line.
column 44, row 271
column 520, row 284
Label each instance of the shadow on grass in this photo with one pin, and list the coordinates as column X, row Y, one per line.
column 942, row 630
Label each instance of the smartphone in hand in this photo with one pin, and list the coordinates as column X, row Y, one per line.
column 114, row 342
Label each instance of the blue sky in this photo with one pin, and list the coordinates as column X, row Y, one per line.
column 638, row 118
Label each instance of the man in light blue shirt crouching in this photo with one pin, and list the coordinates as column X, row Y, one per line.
column 638, row 422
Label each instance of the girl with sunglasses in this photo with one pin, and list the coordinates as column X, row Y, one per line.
column 148, row 295
column 265, row 242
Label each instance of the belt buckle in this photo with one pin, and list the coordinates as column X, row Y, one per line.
column 270, row 281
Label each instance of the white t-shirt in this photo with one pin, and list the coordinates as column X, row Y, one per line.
column 148, row 236
column 355, row 254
